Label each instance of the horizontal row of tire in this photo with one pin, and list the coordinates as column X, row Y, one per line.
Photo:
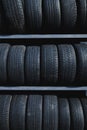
column 34, row 16
column 37, row 112
column 43, row 65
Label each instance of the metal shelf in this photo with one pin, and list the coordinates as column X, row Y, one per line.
column 45, row 36
column 42, row 88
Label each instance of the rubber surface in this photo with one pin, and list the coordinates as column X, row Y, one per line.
column 49, row 64
column 77, row 115
column 4, row 49
column 81, row 12
column 5, row 101
column 33, row 13
column 51, row 14
column 32, row 65
column 64, row 114
column 67, row 63
column 69, row 13
column 0, row 17
column 34, row 112
column 81, row 54
column 4, row 27
column 18, row 112
column 14, row 13
column 16, row 64
column 84, row 105
column 50, row 117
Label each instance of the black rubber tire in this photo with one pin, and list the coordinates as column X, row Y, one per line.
column 49, row 64
column 4, row 49
column 5, row 101
column 69, row 13
column 34, row 112
column 51, row 14
column 67, row 63
column 18, row 112
column 16, row 64
column 84, row 105
column 33, row 12
column 64, row 114
column 81, row 12
column 23, row 3
column 32, row 65
column 0, row 23
column 77, row 115
column 81, row 54
column 50, row 117
column 4, row 27
column 15, row 13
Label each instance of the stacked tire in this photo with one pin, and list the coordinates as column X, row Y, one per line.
column 42, row 65
column 39, row 16
column 63, row 64
column 42, row 112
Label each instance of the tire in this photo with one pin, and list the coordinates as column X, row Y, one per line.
column 32, row 65
column 22, row 3
column 81, row 55
column 17, row 112
column 33, row 12
column 64, row 114
column 67, row 64
column 84, row 105
column 5, row 101
column 77, row 115
column 51, row 14
column 69, row 13
column 4, row 49
column 4, row 26
column 34, row 112
column 81, row 12
column 16, row 65
column 49, row 64
column 14, row 13
column 50, row 117
column 0, row 17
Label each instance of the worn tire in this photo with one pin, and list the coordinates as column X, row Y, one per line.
column 77, row 115
column 69, row 13
column 51, row 14
column 4, row 49
column 0, row 17
column 5, row 101
column 17, row 112
column 16, row 65
column 32, row 65
column 49, row 64
column 34, row 112
column 81, row 55
column 33, row 12
column 81, row 12
column 50, row 117
column 67, row 64
column 64, row 114
column 15, row 13
column 84, row 106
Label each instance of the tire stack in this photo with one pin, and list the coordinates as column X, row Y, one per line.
column 43, row 16
column 53, row 64
column 47, row 112
column 42, row 65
